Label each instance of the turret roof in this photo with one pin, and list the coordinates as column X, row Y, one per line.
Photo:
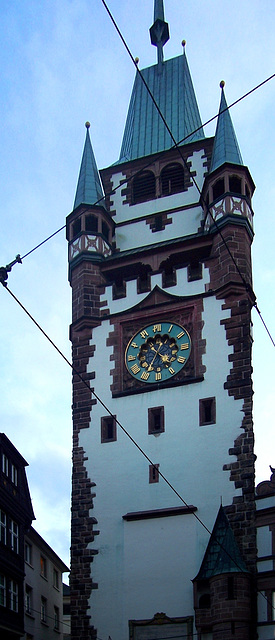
column 89, row 189
column 222, row 554
column 226, row 148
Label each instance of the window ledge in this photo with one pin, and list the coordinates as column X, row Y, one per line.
column 159, row 513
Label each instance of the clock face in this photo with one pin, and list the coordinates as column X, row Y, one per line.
column 157, row 352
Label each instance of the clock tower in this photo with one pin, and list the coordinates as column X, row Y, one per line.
column 160, row 270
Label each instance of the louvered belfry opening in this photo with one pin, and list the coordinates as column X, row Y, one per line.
column 144, row 187
column 172, row 179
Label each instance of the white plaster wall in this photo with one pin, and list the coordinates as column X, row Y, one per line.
column 191, row 457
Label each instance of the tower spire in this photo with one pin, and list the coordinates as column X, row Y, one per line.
column 89, row 189
column 159, row 32
column 226, row 148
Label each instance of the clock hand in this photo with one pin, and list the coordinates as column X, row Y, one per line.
column 150, row 368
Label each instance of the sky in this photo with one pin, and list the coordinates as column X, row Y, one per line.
column 61, row 64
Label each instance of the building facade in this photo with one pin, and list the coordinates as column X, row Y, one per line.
column 160, row 270
column 43, row 589
column 265, row 521
column 16, row 515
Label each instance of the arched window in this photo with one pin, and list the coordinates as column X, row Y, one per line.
column 91, row 224
column 218, row 188
column 76, row 227
column 235, row 184
column 144, row 187
column 105, row 230
column 172, row 179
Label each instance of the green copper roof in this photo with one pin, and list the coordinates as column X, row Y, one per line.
column 226, row 148
column 89, row 189
column 171, row 85
column 222, row 554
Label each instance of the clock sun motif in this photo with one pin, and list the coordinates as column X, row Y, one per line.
column 157, row 352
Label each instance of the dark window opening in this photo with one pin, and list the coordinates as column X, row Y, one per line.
column 91, row 224
column 144, row 282
column 169, row 276
column 144, row 187
column 156, row 420
column 194, row 271
column 105, row 230
column 230, row 588
column 172, row 179
column 76, row 227
column 108, row 429
column 153, row 473
column 247, row 192
column 218, row 189
column 119, row 289
column 235, row 184
column 207, row 411
column 204, row 601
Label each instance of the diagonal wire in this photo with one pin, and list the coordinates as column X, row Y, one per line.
column 92, row 391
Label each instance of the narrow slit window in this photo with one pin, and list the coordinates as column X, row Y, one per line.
column 155, row 420
column 108, row 429
column 153, row 473
column 207, row 411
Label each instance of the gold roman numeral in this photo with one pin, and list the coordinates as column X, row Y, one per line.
column 156, row 327
column 158, row 376
column 181, row 359
column 171, row 370
column 135, row 345
column 145, row 375
column 183, row 346
column 144, row 334
column 170, row 328
column 135, row 369
column 130, row 358
column 180, row 334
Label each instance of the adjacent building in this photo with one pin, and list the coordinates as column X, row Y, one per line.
column 265, row 521
column 43, row 589
column 16, row 515
column 160, row 270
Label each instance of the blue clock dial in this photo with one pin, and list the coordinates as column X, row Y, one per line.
column 158, row 352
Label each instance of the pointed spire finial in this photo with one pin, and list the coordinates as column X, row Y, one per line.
column 159, row 31
column 89, row 189
column 226, row 148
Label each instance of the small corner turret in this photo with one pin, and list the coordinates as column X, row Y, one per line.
column 228, row 188
column 89, row 229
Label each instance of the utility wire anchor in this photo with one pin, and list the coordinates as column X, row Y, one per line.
column 4, row 271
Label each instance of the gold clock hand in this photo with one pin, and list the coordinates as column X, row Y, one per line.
column 150, row 368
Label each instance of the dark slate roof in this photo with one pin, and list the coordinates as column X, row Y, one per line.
column 172, row 88
column 89, row 189
column 226, row 148
column 222, row 554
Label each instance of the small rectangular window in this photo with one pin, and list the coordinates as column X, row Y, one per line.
column 153, row 473
column 14, row 536
column 230, row 588
column 13, row 591
column 56, row 618
column 194, row 271
column 14, row 474
column 43, row 609
column 2, row 590
column 55, row 578
column 28, row 553
column 156, row 420
column 5, row 464
column 3, row 527
column 28, row 599
column 43, row 567
column 207, row 411
column 108, row 429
